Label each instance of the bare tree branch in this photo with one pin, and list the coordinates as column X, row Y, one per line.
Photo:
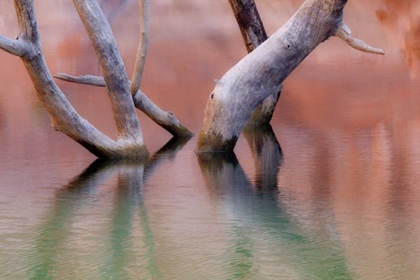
column 343, row 32
column 97, row 81
column 253, row 34
column 261, row 73
column 143, row 46
column 14, row 47
column 26, row 19
column 112, row 65
column 167, row 120
column 65, row 118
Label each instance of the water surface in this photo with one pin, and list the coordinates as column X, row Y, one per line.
column 329, row 191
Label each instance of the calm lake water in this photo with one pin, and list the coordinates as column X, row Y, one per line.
column 330, row 191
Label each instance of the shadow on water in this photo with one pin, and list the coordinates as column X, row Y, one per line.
column 258, row 219
column 131, row 175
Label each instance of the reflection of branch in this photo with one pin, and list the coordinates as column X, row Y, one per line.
column 53, row 234
column 267, row 156
column 248, row 210
column 167, row 152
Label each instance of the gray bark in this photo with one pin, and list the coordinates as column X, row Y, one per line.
column 143, row 46
column 167, row 120
column 253, row 34
column 262, row 71
column 65, row 118
column 112, row 65
column 231, row 103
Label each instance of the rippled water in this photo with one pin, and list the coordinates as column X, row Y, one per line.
column 330, row 191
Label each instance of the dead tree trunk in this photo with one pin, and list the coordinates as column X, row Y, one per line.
column 262, row 71
column 253, row 34
column 166, row 120
column 65, row 119
column 235, row 97
column 123, row 99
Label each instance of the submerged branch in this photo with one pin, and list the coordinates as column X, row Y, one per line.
column 343, row 32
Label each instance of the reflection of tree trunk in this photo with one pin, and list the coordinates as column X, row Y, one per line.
column 267, row 156
column 51, row 242
column 128, row 194
column 254, row 217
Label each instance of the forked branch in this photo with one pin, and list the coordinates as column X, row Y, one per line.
column 112, row 65
column 64, row 117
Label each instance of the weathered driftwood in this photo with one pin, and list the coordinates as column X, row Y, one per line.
column 65, row 119
column 112, row 65
column 230, row 105
column 253, row 34
column 262, row 71
column 167, row 120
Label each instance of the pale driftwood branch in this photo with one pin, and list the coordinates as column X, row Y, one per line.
column 112, row 65
column 143, row 46
column 167, row 120
column 15, row 47
column 261, row 73
column 64, row 116
column 84, row 79
column 253, row 34
column 343, row 32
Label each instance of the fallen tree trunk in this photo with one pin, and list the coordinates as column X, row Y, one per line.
column 253, row 34
column 262, row 71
